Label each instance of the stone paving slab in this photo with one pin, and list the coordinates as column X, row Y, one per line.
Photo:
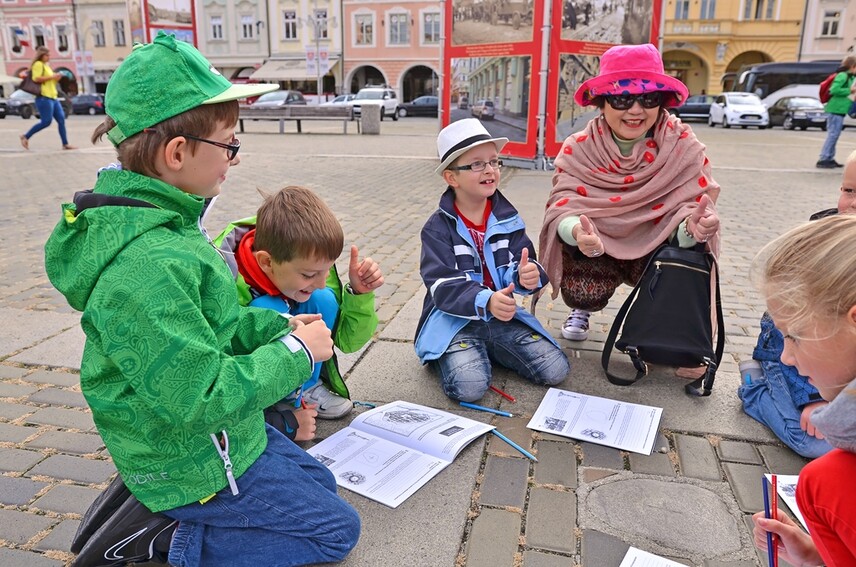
column 67, row 499
column 23, row 329
column 63, row 350
column 493, row 541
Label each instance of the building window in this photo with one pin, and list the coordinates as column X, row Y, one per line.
column 61, row 38
column 216, row 23
column 759, row 9
column 708, row 9
column 15, row 39
column 831, row 19
column 98, row 33
column 682, row 9
column 247, row 25
column 321, row 23
column 399, row 29
column 119, row 33
column 289, row 20
column 431, row 28
column 38, row 36
column 364, row 29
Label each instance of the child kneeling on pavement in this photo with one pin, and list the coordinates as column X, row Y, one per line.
column 475, row 255
column 177, row 374
column 283, row 259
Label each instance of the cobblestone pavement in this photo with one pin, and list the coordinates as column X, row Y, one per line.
column 581, row 504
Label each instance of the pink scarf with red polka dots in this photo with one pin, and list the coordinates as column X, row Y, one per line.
column 634, row 202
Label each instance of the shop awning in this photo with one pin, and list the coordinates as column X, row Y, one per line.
column 285, row 70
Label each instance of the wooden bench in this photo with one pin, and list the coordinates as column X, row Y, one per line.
column 298, row 113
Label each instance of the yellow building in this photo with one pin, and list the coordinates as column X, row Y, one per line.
column 705, row 39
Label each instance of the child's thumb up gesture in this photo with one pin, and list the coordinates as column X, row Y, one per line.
column 364, row 276
column 588, row 240
column 527, row 272
column 502, row 304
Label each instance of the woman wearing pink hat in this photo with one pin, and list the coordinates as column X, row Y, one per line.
column 635, row 177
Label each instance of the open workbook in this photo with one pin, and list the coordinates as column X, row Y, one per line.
column 392, row 451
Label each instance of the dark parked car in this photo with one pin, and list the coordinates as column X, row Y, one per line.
column 278, row 98
column 696, row 107
column 798, row 112
column 23, row 104
column 422, row 106
column 88, row 104
column 2, row 108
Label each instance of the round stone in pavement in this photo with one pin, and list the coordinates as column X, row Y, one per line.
column 678, row 516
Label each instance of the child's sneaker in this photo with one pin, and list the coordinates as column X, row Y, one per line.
column 329, row 405
column 576, row 327
column 132, row 534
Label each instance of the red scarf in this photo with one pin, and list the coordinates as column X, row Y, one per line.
column 250, row 269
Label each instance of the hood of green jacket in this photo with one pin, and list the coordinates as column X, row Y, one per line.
column 92, row 232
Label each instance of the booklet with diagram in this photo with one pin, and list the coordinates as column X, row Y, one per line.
column 390, row 452
column 786, row 487
column 629, row 427
column 638, row 558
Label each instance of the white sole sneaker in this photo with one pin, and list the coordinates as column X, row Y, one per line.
column 574, row 334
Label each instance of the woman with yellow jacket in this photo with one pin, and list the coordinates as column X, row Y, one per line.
column 47, row 102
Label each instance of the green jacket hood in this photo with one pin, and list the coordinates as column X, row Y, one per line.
column 97, row 226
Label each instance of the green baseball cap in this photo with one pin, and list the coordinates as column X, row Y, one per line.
column 162, row 79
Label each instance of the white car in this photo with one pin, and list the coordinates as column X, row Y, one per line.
column 379, row 96
column 738, row 109
column 341, row 100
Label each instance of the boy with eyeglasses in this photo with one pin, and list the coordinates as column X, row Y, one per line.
column 175, row 371
column 475, row 255
column 283, row 259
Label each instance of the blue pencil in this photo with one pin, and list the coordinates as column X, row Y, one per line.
column 770, row 550
column 482, row 408
column 515, row 445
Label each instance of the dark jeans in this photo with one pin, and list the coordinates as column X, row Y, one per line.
column 49, row 109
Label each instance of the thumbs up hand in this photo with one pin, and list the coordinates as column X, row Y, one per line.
column 588, row 241
column 527, row 272
column 703, row 223
column 364, row 276
column 502, row 304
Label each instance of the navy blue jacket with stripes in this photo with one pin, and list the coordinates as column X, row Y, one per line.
column 452, row 272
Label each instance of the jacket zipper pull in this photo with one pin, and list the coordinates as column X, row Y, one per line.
column 227, row 462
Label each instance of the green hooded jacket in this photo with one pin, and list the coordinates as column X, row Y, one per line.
column 354, row 327
column 170, row 359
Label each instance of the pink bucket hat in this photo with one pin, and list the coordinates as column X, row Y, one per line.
column 631, row 69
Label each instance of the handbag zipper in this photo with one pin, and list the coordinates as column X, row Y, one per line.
column 658, row 263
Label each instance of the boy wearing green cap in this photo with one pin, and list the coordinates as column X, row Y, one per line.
column 175, row 371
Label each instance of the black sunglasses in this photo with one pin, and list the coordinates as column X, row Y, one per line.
column 625, row 101
column 231, row 149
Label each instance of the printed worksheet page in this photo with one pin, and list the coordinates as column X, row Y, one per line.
column 629, row 427
column 638, row 558
column 786, row 487
column 429, row 430
column 374, row 467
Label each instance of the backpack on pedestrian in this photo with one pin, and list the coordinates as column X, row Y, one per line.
column 823, row 93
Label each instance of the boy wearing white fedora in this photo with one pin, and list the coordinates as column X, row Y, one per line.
column 475, row 255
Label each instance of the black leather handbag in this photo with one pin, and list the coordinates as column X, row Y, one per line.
column 666, row 319
column 29, row 85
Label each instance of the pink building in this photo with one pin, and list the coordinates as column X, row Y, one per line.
column 395, row 43
column 28, row 24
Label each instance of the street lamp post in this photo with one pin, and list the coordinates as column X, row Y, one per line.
column 318, row 24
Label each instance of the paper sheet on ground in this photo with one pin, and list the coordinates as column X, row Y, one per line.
column 638, row 558
column 786, row 487
column 630, row 427
column 390, row 452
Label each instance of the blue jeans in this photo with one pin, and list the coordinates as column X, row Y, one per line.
column 834, row 126
column 465, row 367
column 769, row 401
column 49, row 108
column 287, row 513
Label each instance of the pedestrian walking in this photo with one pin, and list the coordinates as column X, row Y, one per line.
column 47, row 103
column 836, row 108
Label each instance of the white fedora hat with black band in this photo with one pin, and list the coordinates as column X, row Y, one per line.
column 460, row 136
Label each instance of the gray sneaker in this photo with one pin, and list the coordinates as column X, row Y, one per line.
column 329, row 405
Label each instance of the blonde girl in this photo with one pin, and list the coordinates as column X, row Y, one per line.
column 808, row 277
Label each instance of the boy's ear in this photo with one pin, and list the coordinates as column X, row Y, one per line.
column 450, row 178
column 264, row 260
column 175, row 153
column 851, row 316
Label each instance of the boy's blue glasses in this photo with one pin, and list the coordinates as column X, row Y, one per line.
column 231, row 149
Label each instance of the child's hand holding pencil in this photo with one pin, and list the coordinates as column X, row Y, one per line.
column 794, row 545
